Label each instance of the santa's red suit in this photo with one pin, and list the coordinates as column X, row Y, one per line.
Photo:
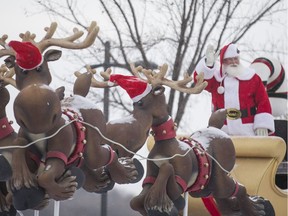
column 245, row 93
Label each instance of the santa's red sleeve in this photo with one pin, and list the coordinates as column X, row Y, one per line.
column 263, row 117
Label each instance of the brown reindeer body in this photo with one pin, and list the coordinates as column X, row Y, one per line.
column 199, row 164
column 131, row 131
column 39, row 113
column 45, row 126
column 99, row 180
column 167, row 179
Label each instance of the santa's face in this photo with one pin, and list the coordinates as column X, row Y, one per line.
column 231, row 66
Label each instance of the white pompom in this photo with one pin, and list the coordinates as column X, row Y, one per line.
column 220, row 90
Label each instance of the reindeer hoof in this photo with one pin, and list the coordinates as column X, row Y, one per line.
column 157, row 213
column 173, row 212
column 268, row 208
column 140, row 170
column 12, row 212
column 109, row 186
column 28, row 198
column 80, row 176
column 179, row 203
column 5, row 169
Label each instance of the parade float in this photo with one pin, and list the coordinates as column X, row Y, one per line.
column 241, row 179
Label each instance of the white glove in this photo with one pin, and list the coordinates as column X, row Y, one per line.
column 210, row 56
column 261, row 132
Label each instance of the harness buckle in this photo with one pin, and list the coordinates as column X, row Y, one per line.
column 233, row 113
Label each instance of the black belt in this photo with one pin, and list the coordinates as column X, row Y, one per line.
column 234, row 114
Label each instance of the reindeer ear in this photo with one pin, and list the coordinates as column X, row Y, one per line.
column 60, row 92
column 158, row 90
column 10, row 61
column 52, row 55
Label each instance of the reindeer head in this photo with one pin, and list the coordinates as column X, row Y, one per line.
column 148, row 93
column 37, row 106
column 26, row 57
column 38, row 71
column 154, row 100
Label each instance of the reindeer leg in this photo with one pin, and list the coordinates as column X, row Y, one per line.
column 157, row 201
column 23, row 184
column 5, row 206
column 5, row 170
column 96, row 181
column 137, row 203
column 235, row 201
column 231, row 197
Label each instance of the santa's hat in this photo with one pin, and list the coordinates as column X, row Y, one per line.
column 135, row 87
column 27, row 56
column 228, row 51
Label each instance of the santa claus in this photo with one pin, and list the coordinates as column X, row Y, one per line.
column 239, row 90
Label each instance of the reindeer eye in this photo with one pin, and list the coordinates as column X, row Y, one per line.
column 39, row 68
column 24, row 71
column 139, row 103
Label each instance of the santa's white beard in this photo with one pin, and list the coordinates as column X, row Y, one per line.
column 233, row 69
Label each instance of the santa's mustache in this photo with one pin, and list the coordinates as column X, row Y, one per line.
column 233, row 69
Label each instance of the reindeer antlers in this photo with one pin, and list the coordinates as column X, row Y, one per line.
column 6, row 75
column 7, row 50
column 95, row 83
column 154, row 79
column 159, row 79
column 68, row 42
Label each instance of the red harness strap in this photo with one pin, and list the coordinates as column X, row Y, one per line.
column 5, row 128
column 57, row 154
column 149, row 180
column 77, row 154
column 164, row 131
column 203, row 167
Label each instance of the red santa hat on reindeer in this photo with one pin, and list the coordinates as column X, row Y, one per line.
column 135, row 87
column 28, row 56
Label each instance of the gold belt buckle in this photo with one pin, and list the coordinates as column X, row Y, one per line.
column 233, row 113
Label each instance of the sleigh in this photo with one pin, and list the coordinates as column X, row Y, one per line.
column 257, row 161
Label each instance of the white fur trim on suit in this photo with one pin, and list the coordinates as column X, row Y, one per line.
column 231, row 94
column 264, row 120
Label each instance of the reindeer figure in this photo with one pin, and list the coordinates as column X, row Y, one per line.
column 97, row 180
column 130, row 131
column 7, row 135
column 39, row 113
column 175, row 166
column 119, row 130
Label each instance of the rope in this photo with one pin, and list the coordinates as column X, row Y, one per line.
column 116, row 143
column 38, row 140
